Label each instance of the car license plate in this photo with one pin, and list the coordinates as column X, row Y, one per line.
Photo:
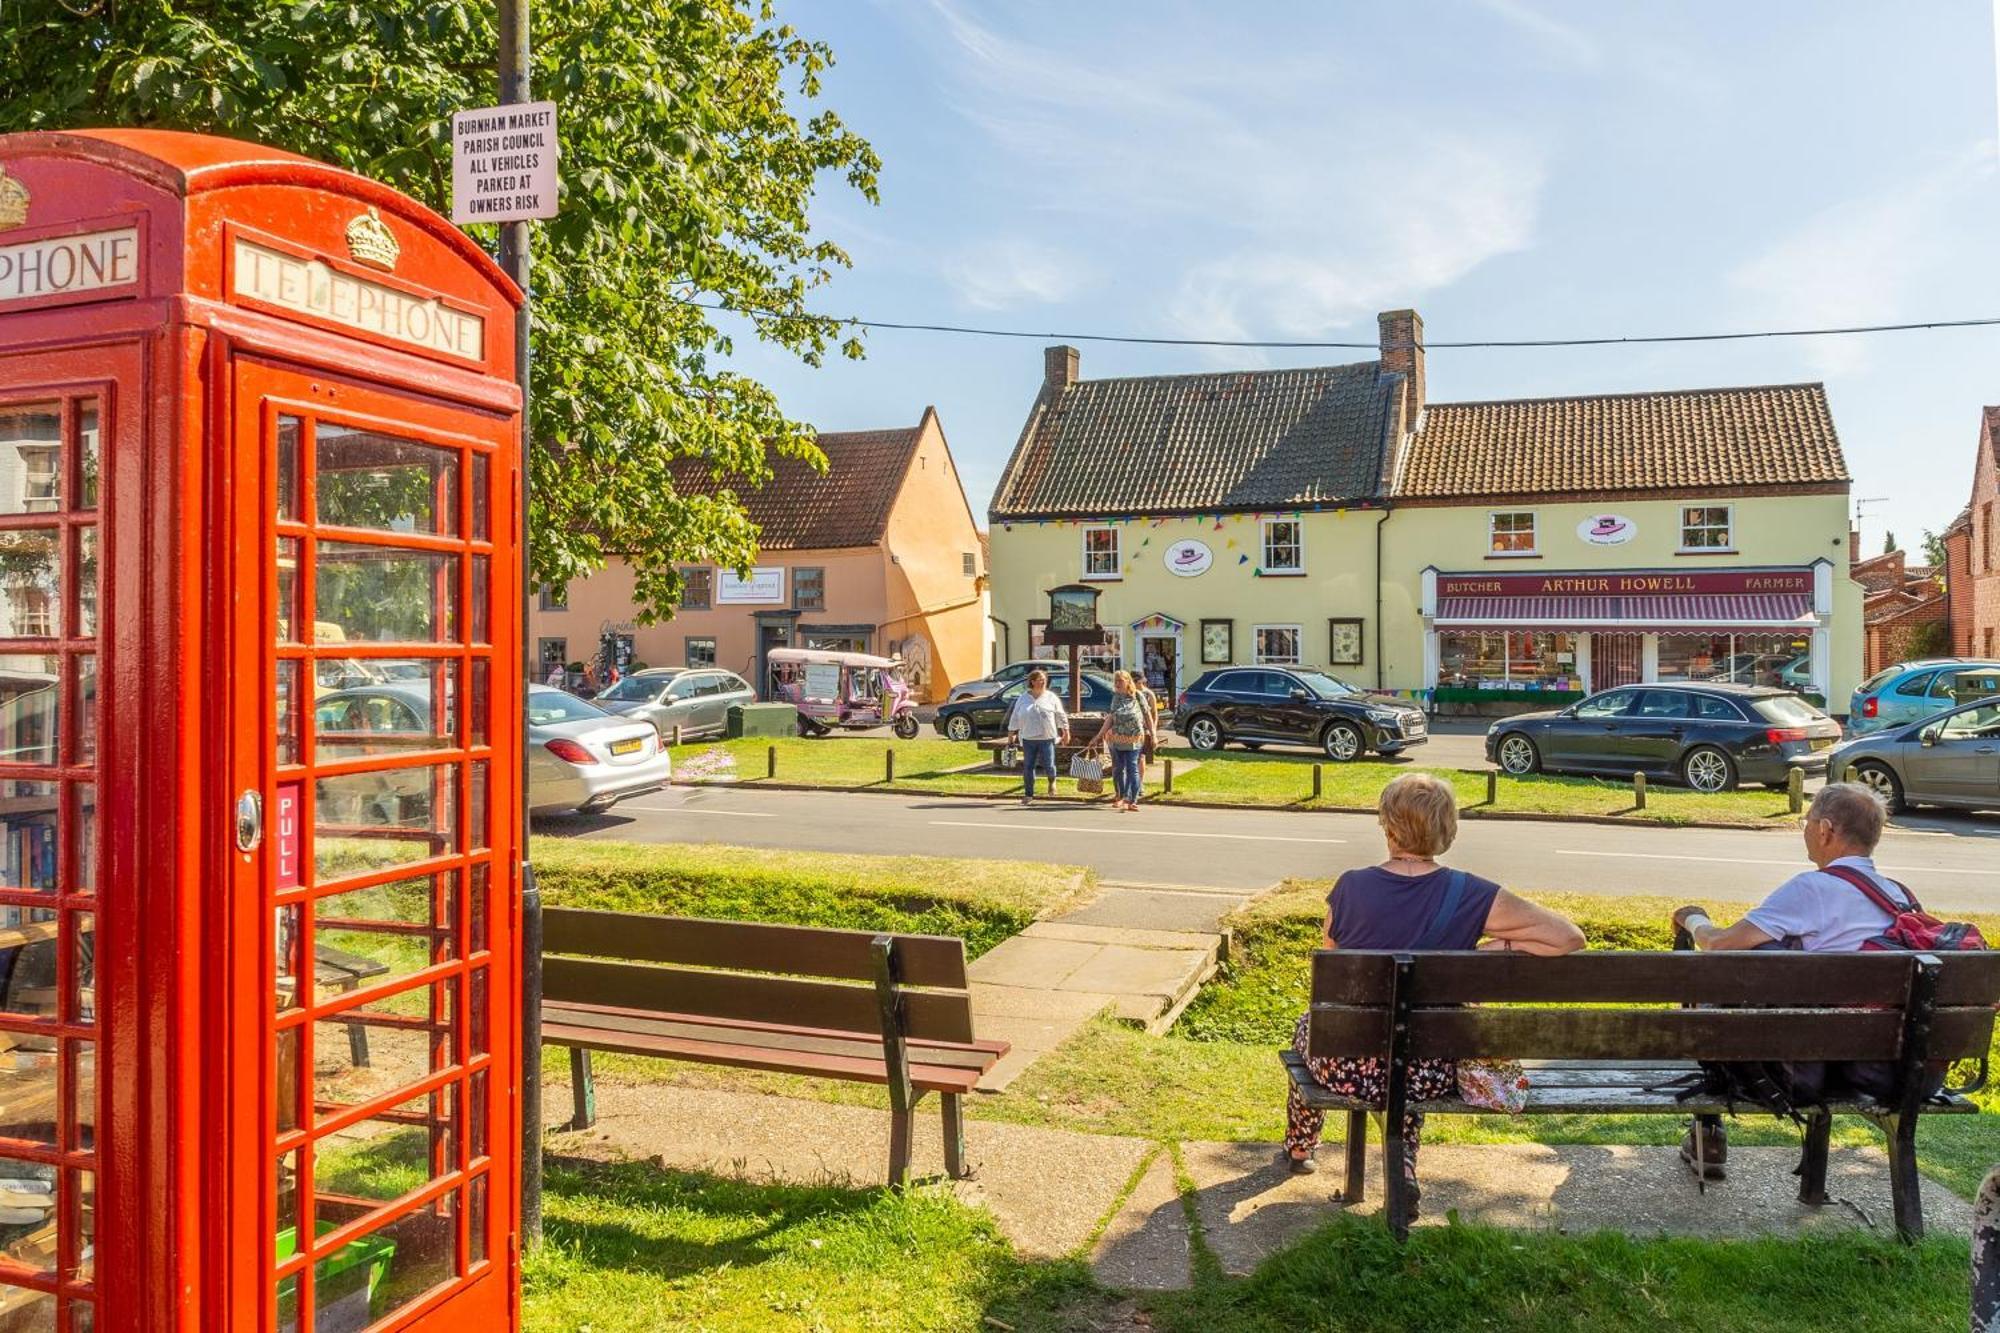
column 627, row 747
column 1822, row 742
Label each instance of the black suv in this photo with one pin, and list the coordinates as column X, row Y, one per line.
column 1295, row 706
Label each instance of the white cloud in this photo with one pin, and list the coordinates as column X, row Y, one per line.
column 1570, row 44
column 1301, row 219
column 1863, row 259
column 1006, row 273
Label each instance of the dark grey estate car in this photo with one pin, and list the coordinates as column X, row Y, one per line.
column 1948, row 758
column 1710, row 736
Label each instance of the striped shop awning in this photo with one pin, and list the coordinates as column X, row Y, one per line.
column 1651, row 611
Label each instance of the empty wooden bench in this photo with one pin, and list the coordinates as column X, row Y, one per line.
column 846, row 1004
column 1585, row 1058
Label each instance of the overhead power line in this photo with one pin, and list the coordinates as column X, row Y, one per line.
column 1430, row 344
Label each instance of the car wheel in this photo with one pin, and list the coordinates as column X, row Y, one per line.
column 1882, row 780
column 1518, row 755
column 1342, row 742
column 958, row 727
column 1708, row 769
column 906, row 727
column 1204, row 734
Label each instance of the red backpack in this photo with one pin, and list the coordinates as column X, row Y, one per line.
column 1911, row 929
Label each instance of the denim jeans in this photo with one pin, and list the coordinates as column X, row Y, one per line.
column 1037, row 755
column 1127, row 769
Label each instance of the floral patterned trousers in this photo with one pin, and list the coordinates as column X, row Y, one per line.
column 1367, row 1080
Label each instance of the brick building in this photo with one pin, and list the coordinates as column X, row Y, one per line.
column 1958, row 581
column 1905, row 611
column 1975, row 586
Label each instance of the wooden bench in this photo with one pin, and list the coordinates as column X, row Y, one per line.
column 889, row 1009
column 1586, row 1059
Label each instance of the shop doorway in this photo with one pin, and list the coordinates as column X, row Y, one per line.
column 1617, row 659
column 1158, row 642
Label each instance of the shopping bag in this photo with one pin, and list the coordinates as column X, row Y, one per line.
column 1493, row 1085
column 1086, row 767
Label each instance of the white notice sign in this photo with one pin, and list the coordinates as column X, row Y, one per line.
column 62, row 265
column 764, row 587
column 503, row 163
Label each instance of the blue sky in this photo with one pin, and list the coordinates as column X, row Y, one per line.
column 1510, row 168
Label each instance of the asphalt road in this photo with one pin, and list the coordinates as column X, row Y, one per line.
column 1952, row 864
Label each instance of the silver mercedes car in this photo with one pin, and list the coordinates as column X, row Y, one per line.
column 1949, row 758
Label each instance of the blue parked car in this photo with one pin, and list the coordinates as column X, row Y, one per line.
column 1912, row 691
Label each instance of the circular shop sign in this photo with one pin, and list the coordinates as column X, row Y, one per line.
column 1189, row 558
column 1607, row 530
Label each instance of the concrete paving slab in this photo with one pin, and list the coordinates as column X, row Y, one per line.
column 1048, row 1189
column 990, row 1001
column 1251, row 1205
column 1069, row 929
column 1120, row 969
column 1021, row 961
column 1146, row 1245
column 1152, row 909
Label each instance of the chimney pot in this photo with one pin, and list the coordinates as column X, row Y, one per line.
column 1059, row 366
column 1402, row 343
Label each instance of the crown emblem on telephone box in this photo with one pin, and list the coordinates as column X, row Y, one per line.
column 371, row 242
column 13, row 201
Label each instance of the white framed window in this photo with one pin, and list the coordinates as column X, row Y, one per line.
column 40, row 488
column 1510, row 532
column 1707, row 528
column 1101, row 558
column 1284, row 546
column 1277, row 645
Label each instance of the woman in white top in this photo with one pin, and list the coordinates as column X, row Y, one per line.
column 1037, row 721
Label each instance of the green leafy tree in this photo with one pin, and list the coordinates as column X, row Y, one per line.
column 691, row 153
column 1934, row 551
column 1889, row 542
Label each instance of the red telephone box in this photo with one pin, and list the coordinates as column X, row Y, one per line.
column 260, row 691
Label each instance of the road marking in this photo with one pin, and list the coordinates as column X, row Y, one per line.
column 1134, row 832
column 694, row 810
column 1746, row 861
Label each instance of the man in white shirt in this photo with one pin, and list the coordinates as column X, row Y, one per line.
column 1815, row 910
column 1037, row 721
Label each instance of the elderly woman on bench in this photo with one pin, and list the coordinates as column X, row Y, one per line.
column 1411, row 902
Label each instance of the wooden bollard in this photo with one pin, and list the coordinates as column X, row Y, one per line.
column 770, row 761
column 1319, row 781
column 677, row 735
column 1795, row 790
column 889, row 764
column 1167, row 785
column 1638, row 791
column 1492, row 786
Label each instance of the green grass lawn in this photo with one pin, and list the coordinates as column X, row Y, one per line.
column 1233, row 777
column 629, row 1247
column 982, row 902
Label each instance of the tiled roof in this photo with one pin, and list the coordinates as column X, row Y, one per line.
column 802, row 509
column 1262, row 439
column 1773, row 435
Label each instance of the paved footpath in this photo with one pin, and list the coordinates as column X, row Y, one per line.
column 1949, row 862
column 1056, row 1193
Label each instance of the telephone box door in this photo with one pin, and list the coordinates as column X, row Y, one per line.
column 375, row 761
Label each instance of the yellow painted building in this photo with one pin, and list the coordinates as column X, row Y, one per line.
column 1479, row 555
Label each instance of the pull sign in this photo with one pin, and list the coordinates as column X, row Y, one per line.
column 249, row 821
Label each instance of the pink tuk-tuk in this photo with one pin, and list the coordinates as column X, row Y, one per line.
column 849, row 691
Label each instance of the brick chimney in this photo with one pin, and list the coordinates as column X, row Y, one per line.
column 1059, row 366
column 1402, row 339
column 1853, row 545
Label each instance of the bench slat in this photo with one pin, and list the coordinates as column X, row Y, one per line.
column 1585, row 1034
column 931, row 1078
column 1969, row 978
column 812, row 951
column 1854, row 980
column 810, row 1040
column 930, row 1015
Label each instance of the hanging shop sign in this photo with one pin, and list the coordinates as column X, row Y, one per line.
column 1188, row 558
column 1607, row 530
column 764, row 587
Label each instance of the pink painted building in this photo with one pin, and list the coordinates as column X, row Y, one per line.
column 878, row 554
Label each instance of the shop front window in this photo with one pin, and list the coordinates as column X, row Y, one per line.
column 1783, row 661
column 700, row 652
column 1491, row 660
column 1278, row 645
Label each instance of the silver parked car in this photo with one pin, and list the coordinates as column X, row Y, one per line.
column 995, row 681
column 584, row 759
column 580, row 757
column 1949, row 758
column 695, row 699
